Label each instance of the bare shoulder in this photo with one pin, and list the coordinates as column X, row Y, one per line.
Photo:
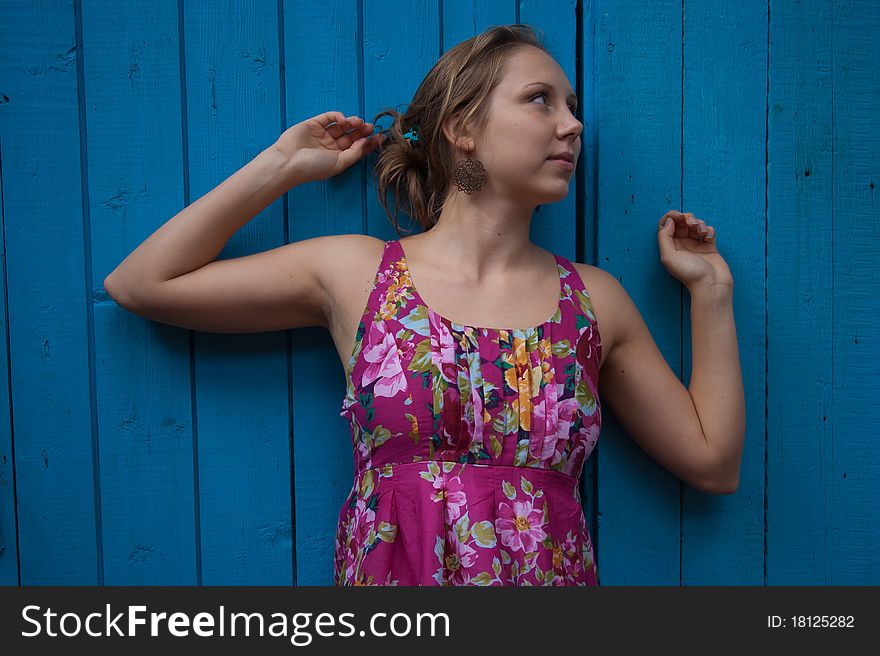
column 355, row 258
column 353, row 244
column 348, row 280
column 605, row 295
column 350, row 268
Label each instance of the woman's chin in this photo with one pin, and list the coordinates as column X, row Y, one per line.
column 555, row 197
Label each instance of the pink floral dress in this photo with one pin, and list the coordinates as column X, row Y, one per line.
column 468, row 443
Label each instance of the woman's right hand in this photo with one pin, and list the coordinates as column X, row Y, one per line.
column 324, row 145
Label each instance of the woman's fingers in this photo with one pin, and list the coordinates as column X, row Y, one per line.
column 688, row 225
column 692, row 224
column 348, row 139
column 334, row 122
column 348, row 130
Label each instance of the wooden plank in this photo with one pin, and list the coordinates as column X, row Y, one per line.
column 135, row 183
column 554, row 225
column 852, row 554
column 637, row 50
column 587, row 216
column 322, row 54
column 48, row 321
column 724, row 183
column 233, row 102
column 8, row 529
column 398, row 53
column 463, row 19
column 799, row 294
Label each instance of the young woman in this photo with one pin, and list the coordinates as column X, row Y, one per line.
column 472, row 356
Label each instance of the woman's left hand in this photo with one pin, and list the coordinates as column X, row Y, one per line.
column 688, row 251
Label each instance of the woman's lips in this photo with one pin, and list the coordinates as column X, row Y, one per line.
column 563, row 163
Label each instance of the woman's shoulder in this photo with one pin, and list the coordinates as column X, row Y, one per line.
column 349, row 272
column 592, row 275
column 355, row 258
column 357, row 243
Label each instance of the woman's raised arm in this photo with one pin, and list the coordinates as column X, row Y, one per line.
column 174, row 275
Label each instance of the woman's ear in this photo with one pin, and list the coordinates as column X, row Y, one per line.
column 457, row 136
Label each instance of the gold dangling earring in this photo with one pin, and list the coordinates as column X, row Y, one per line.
column 470, row 176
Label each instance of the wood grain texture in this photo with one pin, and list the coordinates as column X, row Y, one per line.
column 724, row 110
column 142, row 385
column 637, row 59
column 852, row 464
column 241, row 382
column 8, row 533
column 800, row 281
column 323, row 72
column 48, row 305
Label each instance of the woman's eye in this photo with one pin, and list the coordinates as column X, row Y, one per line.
column 545, row 94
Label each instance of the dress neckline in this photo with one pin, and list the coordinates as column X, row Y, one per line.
column 412, row 285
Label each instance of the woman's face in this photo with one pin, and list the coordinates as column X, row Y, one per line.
column 531, row 119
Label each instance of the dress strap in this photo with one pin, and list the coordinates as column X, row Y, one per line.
column 381, row 280
column 582, row 308
column 575, row 289
column 375, row 299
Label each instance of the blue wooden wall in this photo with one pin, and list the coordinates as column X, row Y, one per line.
column 136, row 453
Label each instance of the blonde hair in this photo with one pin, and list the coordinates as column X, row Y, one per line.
column 458, row 85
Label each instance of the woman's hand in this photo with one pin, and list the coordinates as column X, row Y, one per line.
column 324, row 145
column 689, row 253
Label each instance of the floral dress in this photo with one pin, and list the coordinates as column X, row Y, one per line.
column 469, row 442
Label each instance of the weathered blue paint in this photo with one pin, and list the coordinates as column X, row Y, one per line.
column 138, row 453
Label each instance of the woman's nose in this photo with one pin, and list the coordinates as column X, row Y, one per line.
column 572, row 128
